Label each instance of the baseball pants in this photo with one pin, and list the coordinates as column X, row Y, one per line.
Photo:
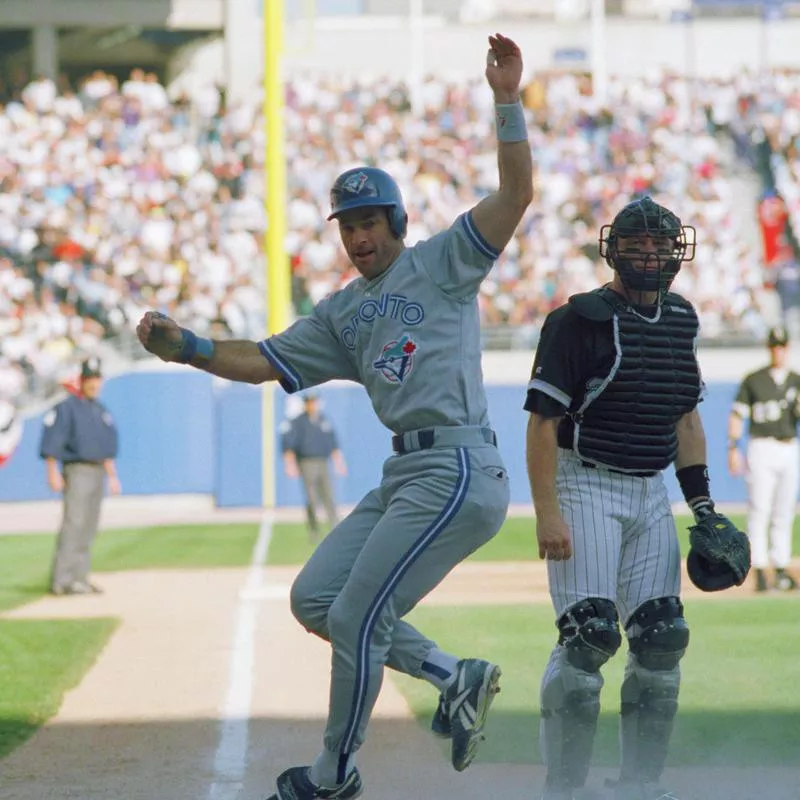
column 624, row 541
column 316, row 475
column 432, row 509
column 83, row 497
column 772, row 476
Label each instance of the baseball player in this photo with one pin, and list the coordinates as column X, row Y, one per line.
column 408, row 331
column 613, row 402
column 770, row 399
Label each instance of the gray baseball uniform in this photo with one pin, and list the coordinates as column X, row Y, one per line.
column 411, row 337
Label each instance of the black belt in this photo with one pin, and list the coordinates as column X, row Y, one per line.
column 90, row 463
column 643, row 474
column 781, row 439
column 427, row 439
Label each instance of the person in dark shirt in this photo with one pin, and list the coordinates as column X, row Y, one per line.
column 79, row 445
column 309, row 443
column 769, row 399
column 613, row 398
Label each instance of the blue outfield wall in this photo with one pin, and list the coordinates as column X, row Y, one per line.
column 182, row 432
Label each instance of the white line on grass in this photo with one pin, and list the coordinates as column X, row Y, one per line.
column 231, row 756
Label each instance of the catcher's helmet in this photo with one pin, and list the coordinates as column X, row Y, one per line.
column 673, row 243
column 363, row 187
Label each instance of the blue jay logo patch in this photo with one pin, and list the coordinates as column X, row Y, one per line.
column 355, row 183
column 397, row 359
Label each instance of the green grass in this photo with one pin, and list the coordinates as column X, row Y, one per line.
column 740, row 697
column 39, row 661
column 175, row 547
column 740, row 700
column 289, row 544
column 25, row 559
column 516, row 541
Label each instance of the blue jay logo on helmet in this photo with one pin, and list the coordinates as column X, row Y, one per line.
column 355, row 184
column 365, row 187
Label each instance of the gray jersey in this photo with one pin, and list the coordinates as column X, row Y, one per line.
column 411, row 336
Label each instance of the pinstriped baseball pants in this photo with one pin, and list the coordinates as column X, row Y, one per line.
column 624, row 540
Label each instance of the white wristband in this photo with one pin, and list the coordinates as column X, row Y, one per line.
column 510, row 121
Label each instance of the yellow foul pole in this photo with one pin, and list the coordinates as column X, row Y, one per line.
column 277, row 279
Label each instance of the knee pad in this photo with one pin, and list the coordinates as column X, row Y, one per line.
column 660, row 634
column 589, row 631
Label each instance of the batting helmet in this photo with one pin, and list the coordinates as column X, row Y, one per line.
column 363, row 187
column 674, row 244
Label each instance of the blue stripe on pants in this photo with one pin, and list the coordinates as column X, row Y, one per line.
column 385, row 592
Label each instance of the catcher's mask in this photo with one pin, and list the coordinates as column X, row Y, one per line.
column 364, row 187
column 646, row 245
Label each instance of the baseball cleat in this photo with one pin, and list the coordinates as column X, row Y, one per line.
column 76, row 587
column 642, row 791
column 784, row 582
column 573, row 794
column 440, row 724
column 295, row 784
column 464, row 706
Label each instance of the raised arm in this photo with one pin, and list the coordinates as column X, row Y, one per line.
column 235, row 360
column 497, row 216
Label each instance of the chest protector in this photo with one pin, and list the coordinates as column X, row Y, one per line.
column 626, row 420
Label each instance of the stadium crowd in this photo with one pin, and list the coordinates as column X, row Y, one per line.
column 116, row 197
column 770, row 116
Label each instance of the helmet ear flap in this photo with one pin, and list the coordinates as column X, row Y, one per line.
column 398, row 221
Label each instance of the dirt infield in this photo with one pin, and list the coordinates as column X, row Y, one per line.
column 148, row 721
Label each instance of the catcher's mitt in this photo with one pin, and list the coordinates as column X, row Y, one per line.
column 720, row 554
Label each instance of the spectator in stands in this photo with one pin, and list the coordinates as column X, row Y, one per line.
column 117, row 197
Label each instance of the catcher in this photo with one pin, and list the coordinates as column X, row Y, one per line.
column 613, row 402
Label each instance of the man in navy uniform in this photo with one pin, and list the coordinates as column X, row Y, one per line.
column 79, row 445
column 309, row 443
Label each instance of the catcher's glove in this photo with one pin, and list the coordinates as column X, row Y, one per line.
column 720, row 554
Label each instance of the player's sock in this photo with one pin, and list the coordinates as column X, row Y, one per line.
column 439, row 668
column 331, row 769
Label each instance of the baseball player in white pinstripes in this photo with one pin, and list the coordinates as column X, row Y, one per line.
column 613, row 395
column 769, row 399
column 408, row 330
